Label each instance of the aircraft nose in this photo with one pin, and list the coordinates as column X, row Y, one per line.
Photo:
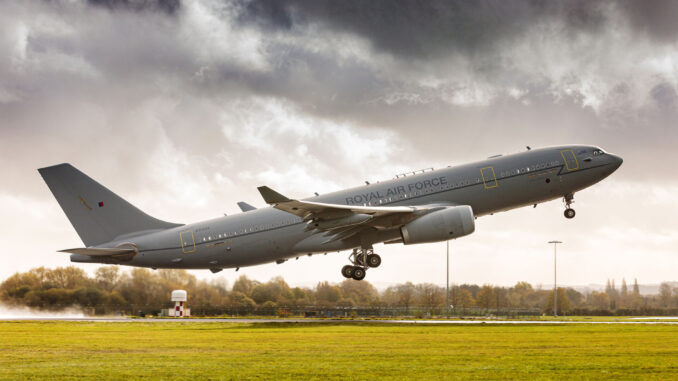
column 615, row 161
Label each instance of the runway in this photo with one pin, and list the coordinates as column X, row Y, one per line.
column 330, row 321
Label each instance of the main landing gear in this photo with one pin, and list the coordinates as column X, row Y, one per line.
column 569, row 200
column 361, row 259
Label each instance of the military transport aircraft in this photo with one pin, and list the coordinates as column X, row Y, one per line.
column 417, row 207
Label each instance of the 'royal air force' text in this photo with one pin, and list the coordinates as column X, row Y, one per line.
column 364, row 198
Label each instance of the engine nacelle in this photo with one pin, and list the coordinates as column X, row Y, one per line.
column 441, row 225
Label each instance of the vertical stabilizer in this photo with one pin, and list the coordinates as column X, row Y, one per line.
column 96, row 213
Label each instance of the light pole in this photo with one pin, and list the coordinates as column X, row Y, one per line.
column 555, row 289
column 447, row 283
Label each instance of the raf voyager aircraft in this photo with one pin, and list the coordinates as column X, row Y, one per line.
column 426, row 206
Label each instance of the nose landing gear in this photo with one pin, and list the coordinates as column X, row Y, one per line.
column 569, row 200
column 359, row 257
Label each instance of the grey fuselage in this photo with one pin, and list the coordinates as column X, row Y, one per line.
column 265, row 235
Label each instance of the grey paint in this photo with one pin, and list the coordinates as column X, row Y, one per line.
column 245, row 207
column 268, row 234
column 79, row 197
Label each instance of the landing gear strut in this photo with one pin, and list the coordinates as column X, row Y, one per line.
column 359, row 258
column 569, row 200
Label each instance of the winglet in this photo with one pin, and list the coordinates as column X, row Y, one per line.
column 245, row 207
column 271, row 196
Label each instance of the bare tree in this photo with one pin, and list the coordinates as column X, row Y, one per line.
column 485, row 297
column 665, row 293
column 107, row 277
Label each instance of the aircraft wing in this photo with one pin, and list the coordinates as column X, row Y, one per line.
column 343, row 221
column 309, row 209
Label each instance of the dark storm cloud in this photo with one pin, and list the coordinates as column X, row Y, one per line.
column 664, row 95
column 420, row 29
column 521, row 78
column 167, row 6
column 657, row 18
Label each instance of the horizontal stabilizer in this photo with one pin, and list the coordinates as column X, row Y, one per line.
column 245, row 207
column 99, row 252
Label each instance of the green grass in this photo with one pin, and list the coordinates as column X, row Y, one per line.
column 224, row 351
column 585, row 319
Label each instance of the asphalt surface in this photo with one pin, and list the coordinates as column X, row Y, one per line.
column 324, row 321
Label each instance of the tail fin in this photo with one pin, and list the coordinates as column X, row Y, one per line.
column 96, row 213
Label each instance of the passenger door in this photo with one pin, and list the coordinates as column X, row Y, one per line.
column 187, row 241
column 489, row 177
column 571, row 162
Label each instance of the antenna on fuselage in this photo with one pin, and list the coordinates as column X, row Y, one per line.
column 528, row 148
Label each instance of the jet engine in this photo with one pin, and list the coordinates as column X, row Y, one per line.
column 441, row 225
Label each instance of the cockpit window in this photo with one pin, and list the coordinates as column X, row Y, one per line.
column 597, row 152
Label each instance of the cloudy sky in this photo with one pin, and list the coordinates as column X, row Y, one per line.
column 184, row 107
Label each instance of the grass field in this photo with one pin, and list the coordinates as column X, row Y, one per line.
column 224, row 351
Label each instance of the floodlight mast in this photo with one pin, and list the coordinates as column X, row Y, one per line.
column 555, row 288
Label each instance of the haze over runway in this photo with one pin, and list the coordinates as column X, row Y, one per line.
column 184, row 108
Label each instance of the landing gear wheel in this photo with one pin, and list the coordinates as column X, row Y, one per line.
column 569, row 213
column 358, row 273
column 568, row 199
column 373, row 260
column 347, row 271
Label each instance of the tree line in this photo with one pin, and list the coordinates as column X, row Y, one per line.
column 111, row 290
